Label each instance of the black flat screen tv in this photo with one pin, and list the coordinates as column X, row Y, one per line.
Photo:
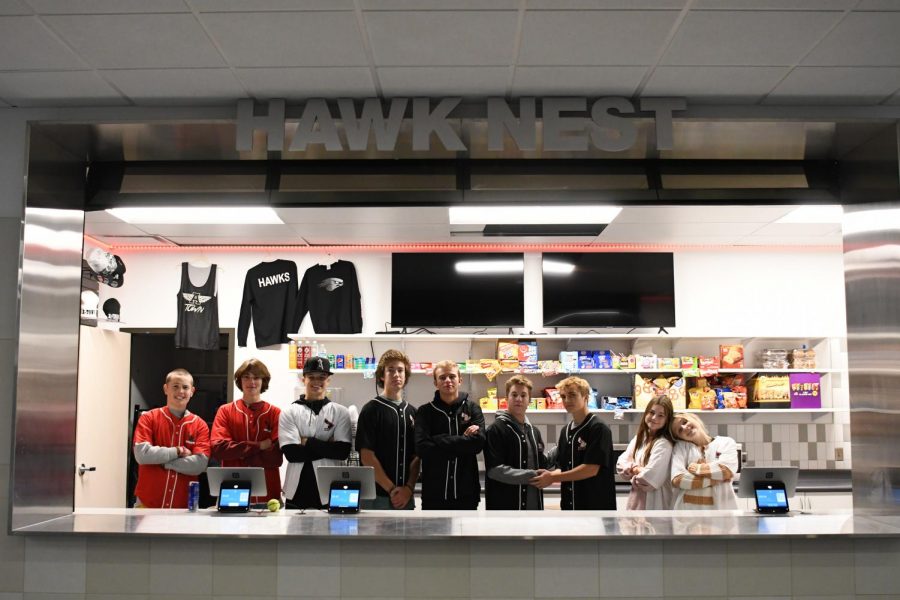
column 608, row 289
column 457, row 289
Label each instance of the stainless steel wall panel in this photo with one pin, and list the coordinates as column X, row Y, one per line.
column 44, row 459
column 872, row 279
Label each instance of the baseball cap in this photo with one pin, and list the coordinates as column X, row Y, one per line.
column 109, row 268
column 316, row 364
column 112, row 309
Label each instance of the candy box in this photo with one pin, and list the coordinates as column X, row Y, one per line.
column 646, row 361
column 770, row 391
column 568, row 361
column 585, row 359
column 806, row 390
column 507, row 350
column 731, row 356
column 528, row 354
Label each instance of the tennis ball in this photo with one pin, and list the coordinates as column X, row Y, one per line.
column 274, row 505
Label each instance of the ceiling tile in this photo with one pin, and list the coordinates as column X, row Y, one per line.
column 236, row 240
column 764, row 38
column 14, row 7
column 440, row 4
column 246, row 232
column 443, row 81
column 309, row 82
column 365, row 234
column 57, row 88
column 604, row 4
column 773, row 4
column 701, row 214
column 798, row 230
column 372, row 216
column 442, row 38
column 288, row 39
column 594, row 37
column 587, row 81
column 176, row 86
column 26, row 44
column 836, row 85
column 269, row 5
column 96, row 7
column 714, row 84
column 97, row 228
column 699, row 232
column 867, row 39
column 137, row 41
column 122, row 241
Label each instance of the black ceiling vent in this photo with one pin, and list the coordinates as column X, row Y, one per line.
column 568, row 230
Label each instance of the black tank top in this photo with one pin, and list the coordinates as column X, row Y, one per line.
column 198, row 313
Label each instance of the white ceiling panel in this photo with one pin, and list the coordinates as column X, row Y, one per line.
column 94, row 227
column 14, row 7
column 788, row 240
column 58, row 88
column 246, row 232
column 443, row 81
column 594, row 37
column 587, row 81
column 137, row 41
column 26, row 44
column 701, row 214
column 440, row 4
column 773, row 4
column 604, row 4
column 865, row 39
column 673, row 240
column 236, row 240
column 799, row 230
column 287, row 39
column 765, row 38
column 120, row 241
column 87, row 7
column 373, row 216
column 836, row 85
column 177, row 86
column 362, row 234
column 463, row 38
column 269, row 5
column 305, row 82
column 626, row 232
column 722, row 84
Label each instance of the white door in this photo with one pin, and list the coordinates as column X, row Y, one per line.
column 104, row 367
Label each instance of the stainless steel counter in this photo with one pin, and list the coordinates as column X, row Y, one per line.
column 455, row 524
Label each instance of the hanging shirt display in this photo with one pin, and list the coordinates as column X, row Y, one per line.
column 198, row 313
column 270, row 294
column 331, row 296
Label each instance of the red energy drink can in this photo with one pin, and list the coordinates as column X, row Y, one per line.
column 193, row 496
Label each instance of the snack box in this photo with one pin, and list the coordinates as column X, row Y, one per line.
column 540, row 403
column 628, row 361
column 507, row 350
column 551, row 394
column 488, row 403
column 603, row 359
column 568, row 361
column 528, row 354
column 708, row 363
column 669, row 363
column 509, row 365
column 806, row 390
column 770, row 391
column 688, row 362
column 585, row 359
column 731, row 356
column 646, row 361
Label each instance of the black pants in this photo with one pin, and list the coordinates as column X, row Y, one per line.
column 463, row 503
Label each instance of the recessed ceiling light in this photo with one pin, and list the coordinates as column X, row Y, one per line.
column 814, row 214
column 470, row 267
column 532, row 215
column 197, row 215
column 556, row 267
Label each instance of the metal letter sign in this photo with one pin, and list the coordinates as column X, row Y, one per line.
column 569, row 124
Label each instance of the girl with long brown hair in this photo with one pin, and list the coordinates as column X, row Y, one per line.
column 646, row 463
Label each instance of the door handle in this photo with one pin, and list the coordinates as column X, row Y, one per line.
column 83, row 469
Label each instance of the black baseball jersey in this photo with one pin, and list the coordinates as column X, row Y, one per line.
column 388, row 429
column 587, row 443
column 510, row 443
column 198, row 313
column 331, row 296
column 269, row 300
column 449, row 458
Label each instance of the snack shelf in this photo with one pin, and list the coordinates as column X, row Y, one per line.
column 606, row 372
column 723, row 416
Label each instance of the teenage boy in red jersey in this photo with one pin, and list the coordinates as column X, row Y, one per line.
column 245, row 432
column 171, row 445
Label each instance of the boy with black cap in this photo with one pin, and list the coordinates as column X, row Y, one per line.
column 312, row 431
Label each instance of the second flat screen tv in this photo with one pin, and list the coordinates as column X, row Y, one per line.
column 457, row 289
column 608, row 289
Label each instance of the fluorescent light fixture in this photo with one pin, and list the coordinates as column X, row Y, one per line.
column 479, row 267
column 814, row 214
column 869, row 221
column 198, row 215
column 555, row 267
column 532, row 215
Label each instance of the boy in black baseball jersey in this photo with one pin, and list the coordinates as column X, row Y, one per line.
column 584, row 456
column 449, row 436
column 514, row 453
column 385, row 436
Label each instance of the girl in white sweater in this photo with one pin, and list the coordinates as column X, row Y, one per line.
column 647, row 460
column 702, row 466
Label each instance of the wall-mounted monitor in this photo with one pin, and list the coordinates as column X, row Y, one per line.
column 608, row 289
column 457, row 289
